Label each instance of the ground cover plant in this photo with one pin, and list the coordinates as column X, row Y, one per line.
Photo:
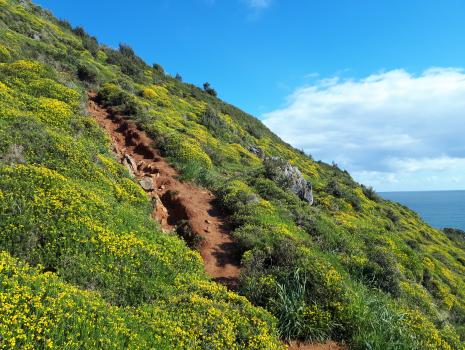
column 79, row 252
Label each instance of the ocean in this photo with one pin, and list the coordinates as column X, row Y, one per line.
column 438, row 208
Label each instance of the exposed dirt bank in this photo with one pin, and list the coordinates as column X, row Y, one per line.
column 175, row 202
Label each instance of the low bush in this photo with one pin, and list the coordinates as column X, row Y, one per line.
column 298, row 319
column 209, row 90
column 87, row 73
column 129, row 63
column 382, row 271
column 371, row 194
column 112, row 95
column 193, row 240
column 211, row 120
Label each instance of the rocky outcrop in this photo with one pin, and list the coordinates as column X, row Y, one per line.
column 257, row 151
column 298, row 184
column 289, row 177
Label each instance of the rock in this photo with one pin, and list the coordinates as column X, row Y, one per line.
column 147, row 183
column 257, row 151
column 298, row 184
column 160, row 213
column 290, row 177
column 130, row 163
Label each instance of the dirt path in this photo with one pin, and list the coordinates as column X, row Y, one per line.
column 175, row 202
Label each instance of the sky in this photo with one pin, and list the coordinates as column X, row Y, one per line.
column 375, row 86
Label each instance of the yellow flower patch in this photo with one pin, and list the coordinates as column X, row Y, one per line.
column 53, row 112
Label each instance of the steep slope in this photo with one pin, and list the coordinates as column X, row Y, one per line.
column 178, row 205
column 82, row 264
column 76, row 233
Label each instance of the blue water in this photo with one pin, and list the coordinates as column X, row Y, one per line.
column 438, row 208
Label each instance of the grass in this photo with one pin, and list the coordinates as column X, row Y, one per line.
column 73, row 225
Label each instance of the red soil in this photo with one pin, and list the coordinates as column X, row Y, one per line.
column 179, row 200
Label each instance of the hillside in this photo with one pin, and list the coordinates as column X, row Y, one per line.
column 89, row 260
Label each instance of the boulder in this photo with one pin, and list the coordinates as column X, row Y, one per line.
column 288, row 177
column 298, row 184
column 147, row 183
column 257, row 151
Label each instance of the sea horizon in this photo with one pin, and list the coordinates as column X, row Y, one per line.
column 440, row 209
column 410, row 191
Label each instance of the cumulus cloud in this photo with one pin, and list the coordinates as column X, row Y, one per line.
column 393, row 130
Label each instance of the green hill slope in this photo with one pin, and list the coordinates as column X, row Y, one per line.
column 83, row 266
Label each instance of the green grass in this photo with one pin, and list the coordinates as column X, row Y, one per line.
column 352, row 267
column 81, row 263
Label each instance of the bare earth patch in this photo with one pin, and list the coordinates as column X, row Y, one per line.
column 179, row 202
column 175, row 201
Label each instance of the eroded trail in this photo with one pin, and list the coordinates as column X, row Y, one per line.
column 176, row 202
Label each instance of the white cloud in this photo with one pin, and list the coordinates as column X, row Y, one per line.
column 393, row 130
column 443, row 163
column 258, row 4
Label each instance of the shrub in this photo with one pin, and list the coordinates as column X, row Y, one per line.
column 90, row 43
column 5, row 55
column 183, row 151
column 354, row 200
column 113, row 96
column 209, row 90
column 87, row 73
column 274, row 170
column 297, row 319
column 381, row 271
column 237, row 194
column 128, row 52
column 334, row 188
column 370, row 193
column 158, row 68
column 454, row 234
column 391, row 214
column 129, row 63
column 211, row 120
column 184, row 230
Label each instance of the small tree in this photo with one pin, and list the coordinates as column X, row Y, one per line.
column 158, row 68
column 178, row 77
column 208, row 89
column 127, row 51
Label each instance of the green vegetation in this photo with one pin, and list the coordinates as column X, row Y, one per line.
column 80, row 258
column 81, row 263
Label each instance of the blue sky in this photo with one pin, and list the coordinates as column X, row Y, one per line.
column 344, row 80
